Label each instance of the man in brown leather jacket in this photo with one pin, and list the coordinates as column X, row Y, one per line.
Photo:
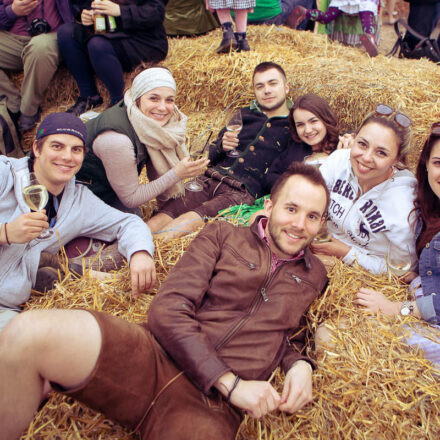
column 227, row 315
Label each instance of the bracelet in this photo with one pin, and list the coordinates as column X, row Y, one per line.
column 6, row 235
column 237, row 379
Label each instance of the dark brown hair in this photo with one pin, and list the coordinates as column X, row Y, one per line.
column 403, row 135
column 267, row 65
column 309, row 173
column 321, row 109
column 427, row 201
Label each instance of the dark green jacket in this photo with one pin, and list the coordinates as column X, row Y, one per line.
column 92, row 171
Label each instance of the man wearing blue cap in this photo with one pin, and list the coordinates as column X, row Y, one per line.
column 72, row 211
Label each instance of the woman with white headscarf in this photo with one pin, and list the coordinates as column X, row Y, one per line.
column 146, row 128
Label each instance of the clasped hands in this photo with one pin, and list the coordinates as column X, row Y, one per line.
column 105, row 7
column 259, row 398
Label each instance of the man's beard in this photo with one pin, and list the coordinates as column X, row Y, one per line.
column 275, row 106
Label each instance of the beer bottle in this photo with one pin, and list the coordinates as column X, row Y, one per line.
column 99, row 22
column 111, row 23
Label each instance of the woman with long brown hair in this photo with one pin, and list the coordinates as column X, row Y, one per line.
column 425, row 288
column 314, row 126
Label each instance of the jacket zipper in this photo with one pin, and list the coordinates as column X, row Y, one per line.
column 261, row 296
column 255, row 303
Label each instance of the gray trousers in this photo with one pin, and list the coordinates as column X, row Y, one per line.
column 38, row 57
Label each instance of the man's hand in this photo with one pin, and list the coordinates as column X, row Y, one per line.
column 229, row 141
column 256, row 397
column 297, row 390
column 334, row 248
column 106, row 7
column 143, row 272
column 87, row 17
column 23, row 7
column 27, row 226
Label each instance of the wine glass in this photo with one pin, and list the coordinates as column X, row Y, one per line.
column 235, row 125
column 193, row 184
column 399, row 263
column 35, row 196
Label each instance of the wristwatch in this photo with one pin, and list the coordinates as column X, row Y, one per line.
column 407, row 308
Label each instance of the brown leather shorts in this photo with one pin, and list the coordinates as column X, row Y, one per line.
column 136, row 384
column 217, row 194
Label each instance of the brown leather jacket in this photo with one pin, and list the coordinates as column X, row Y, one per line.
column 220, row 308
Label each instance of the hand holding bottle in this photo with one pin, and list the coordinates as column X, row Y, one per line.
column 106, row 7
column 87, row 17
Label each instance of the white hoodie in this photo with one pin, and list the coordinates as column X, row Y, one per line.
column 373, row 223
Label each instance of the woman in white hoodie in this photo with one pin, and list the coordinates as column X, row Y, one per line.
column 372, row 194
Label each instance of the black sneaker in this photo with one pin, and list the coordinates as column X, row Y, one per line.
column 82, row 105
column 28, row 122
column 242, row 42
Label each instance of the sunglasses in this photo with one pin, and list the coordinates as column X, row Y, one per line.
column 400, row 118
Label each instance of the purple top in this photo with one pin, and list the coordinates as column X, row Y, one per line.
column 56, row 13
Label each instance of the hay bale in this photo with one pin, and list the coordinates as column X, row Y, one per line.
column 371, row 385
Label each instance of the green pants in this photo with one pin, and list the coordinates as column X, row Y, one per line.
column 38, row 57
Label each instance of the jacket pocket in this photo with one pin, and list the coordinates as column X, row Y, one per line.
column 249, row 264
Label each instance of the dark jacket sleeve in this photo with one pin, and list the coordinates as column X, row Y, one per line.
column 295, row 152
column 172, row 315
column 148, row 13
column 7, row 16
column 216, row 152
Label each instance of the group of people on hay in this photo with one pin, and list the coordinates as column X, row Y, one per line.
column 231, row 309
column 37, row 35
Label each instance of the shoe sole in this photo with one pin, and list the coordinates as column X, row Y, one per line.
column 295, row 18
column 231, row 47
column 369, row 46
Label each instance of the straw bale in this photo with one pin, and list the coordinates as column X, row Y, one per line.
column 369, row 385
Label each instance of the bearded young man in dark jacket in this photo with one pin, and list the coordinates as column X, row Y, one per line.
column 237, row 180
column 228, row 314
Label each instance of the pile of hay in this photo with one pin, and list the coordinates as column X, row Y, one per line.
column 370, row 385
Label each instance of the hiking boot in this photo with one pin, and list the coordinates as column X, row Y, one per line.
column 228, row 42
column 83, row 104
column 296, row 17
column 369, row 43
column 29, row 122
column 46, row 278
column 242, row 43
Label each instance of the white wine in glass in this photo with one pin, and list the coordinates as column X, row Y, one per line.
column 193, row 184
column 399, row 263
column 235, row 125
column 35, row 196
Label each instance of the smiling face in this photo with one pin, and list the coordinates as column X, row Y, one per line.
column 310, row 129
column 58, row 160
column 158, row 104
column 271, row 88
column 373, row 155
column 295, row 217
column 433, row 168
